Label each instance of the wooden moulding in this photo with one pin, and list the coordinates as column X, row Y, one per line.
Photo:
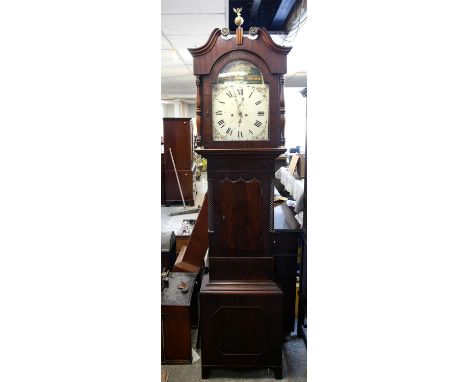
column 199, row 115
column 282, row 141
column 241, row 268
column 206, row 55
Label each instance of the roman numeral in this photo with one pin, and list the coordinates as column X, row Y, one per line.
column 229, row 93
column 258, row 102
column 251, row 94
column 258, row 123
column 250, row 131
column 220, row 122
column 240, row 91
column 261, row 113
column 221, row 101
column 239, row 134
column 219, row 112
column 229, row 131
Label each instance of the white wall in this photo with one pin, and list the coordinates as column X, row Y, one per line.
column 295, row 127
column 167, row 109
column 177, row 108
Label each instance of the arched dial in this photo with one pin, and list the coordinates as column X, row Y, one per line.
column 240, row 112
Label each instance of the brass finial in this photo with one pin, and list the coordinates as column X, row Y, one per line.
column 238, row 20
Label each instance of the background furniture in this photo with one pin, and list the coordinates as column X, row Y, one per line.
column 178, row 137
column 175, row 320
column 286, row 239
column 163, row 180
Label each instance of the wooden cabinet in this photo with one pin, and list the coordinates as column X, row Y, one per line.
column 163, row 180
column 302, row 295
column 286, row 240
column 176, row 345
column 178, row 138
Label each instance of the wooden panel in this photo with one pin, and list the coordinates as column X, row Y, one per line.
column 172, row 188
column 240, row 209
column 241, row 268
column 176, row 338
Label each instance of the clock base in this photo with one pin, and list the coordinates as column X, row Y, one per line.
column 241, row 325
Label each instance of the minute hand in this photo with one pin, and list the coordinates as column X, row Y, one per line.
column 239, row 112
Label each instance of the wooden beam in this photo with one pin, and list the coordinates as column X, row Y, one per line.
column 282, row 12
column 255, row 8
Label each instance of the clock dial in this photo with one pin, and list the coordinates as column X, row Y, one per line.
column 240, row 106
column 240, row 112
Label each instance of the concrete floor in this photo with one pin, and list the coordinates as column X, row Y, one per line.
column 173, row 223
column 294, row 367
column 294, row 350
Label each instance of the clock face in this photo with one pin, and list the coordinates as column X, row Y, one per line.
column 240, row 104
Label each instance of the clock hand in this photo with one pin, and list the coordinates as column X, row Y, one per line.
column 239, row 112
column 235, row 96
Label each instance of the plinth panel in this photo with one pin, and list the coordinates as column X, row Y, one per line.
column 241, row 325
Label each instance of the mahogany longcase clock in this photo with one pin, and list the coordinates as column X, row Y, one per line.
column 240, row 115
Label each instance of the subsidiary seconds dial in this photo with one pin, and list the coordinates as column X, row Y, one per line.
column 240, row 112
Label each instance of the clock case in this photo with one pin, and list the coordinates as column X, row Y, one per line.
column 241, row 317
column 240, row 173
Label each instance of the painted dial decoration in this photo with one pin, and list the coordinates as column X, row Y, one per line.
column 240, row 104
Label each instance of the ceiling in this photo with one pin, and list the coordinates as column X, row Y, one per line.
column 188, row 24
column 271, row 14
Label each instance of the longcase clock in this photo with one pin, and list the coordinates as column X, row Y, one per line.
column 240, row 112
